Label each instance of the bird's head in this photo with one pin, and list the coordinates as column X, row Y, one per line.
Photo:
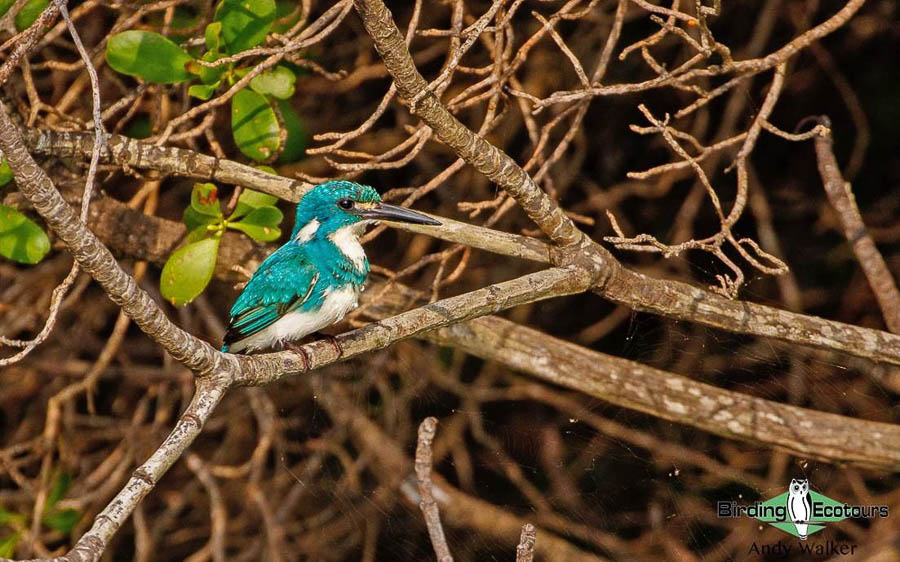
column 333, row 205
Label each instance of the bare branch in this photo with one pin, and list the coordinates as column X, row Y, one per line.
column 486, row 158
column 59, row 293
column 429, row 507
column 26, row 41
column 525, row 550
column 92, row 544
column 744, row 67
column 841, row 197
column 803, row 432
column 668, row 298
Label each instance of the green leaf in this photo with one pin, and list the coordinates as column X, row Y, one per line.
column 188, row 271
column 202, row 91
column 240, row 210
column 256, row 199
column 27, row 15
column 250, row 200
column 147, row 55
column 11, row 517
column 8, row 545
column 197, row 234
column 297, row 137
column 245, row 23
column 208, row 75
column 6, row 174
column 62, row 520
column 205, row 199
column 277, row 82
column 194, row 220
column 59, row 490
column 254, row 125
column 261, row 224
column 24, row 241
column 10, row 218
column 213, row 36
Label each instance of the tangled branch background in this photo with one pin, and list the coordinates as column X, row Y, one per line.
column 747, row 337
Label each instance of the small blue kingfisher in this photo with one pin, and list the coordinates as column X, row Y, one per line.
column 315, row 278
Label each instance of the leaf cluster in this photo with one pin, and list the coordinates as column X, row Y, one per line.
column 264, row 126
column 189, row 269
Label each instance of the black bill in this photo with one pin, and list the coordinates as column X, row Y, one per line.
column 384, row 212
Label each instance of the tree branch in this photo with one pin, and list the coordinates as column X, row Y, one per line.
column 188, row 163
column 429, row 507
column 554, row 282
column 485, row 157
column 669, row 298
column 614, row 282
column 91, row 545
column 218, row 371
column 841, row 197
column 800, row 431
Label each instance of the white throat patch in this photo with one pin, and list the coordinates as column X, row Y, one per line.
column 347, row 241
column 306, row 233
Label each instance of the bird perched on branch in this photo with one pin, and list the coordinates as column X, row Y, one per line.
column 315, row 278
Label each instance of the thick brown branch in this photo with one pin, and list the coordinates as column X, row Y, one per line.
column 188, row 163
column 125, row 151
column 692, row 304
column 803, row 432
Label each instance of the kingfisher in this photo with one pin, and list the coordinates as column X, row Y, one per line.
column 315, row 278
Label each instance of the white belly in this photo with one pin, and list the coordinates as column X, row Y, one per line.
column 297, row 324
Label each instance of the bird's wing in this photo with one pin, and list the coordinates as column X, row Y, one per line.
column 283, row 282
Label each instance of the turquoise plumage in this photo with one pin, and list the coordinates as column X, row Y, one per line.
column 315, row 278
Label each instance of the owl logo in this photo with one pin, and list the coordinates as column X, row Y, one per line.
column 798, row 506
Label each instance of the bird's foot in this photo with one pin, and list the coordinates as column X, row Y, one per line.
column 300, row 351
column 334, row 343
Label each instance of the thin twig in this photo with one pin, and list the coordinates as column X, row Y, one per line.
column 59, row 293
column 525, row 549
column 428, row 505
column 873, row 265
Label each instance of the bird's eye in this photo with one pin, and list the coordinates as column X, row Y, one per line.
column 346, row 204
